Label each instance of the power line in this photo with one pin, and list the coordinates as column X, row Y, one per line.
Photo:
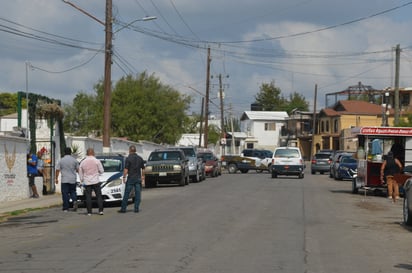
column 69, row 69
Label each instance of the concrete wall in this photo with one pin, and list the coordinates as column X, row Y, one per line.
column 13, row 169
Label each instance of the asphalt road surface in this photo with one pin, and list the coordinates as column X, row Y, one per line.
column 235, row 223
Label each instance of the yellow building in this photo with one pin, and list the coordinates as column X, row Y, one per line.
column 334, row 123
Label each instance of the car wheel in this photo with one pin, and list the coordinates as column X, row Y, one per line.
column 196, row 178
column 354, row 187
column 274, row 175
column 313, row 172
column 232, row 168
column 336, row 176
column 407, row 214
column 321, row 172
column 183, row 180
column 301, row 176
column 149, row 183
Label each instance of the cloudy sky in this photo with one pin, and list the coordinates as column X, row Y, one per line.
column 298, row 44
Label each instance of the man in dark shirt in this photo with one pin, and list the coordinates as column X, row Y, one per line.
column 133, row 171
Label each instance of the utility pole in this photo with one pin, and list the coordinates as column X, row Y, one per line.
column 312, row 147
column 207, row 99
column 107, row 85
column 107, row 78
column 397, row 62
column 222, row 120
column 201, row 122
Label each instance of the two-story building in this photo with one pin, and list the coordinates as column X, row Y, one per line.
column 346, row 114
column 262, row 128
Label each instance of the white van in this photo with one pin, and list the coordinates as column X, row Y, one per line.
column 287, row 161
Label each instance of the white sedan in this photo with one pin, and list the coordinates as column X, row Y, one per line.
column 112, row 186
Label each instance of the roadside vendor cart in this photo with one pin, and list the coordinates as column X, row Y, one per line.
column 373, row 145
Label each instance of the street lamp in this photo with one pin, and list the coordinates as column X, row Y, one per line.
column 147, row 18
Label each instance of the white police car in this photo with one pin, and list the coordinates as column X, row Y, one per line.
column 112, row 186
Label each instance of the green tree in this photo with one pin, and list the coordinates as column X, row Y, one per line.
column 270, row 99
column 144, row 108
column 296, row 101
column 8, row 103
column 213, row 134
column 84, row 116
column 405, row 122
column 192, row 124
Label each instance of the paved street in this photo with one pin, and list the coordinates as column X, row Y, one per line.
column 238, row 223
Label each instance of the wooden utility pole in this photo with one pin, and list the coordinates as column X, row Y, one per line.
column 201, row 122
column 397, row 62
column 107, row 78
column 207, row 99
column 312, row 147
column 222, row 120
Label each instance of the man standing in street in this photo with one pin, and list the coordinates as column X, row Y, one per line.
column 89, row 171
column 133, row 172
column 68, row 166
column 32, row 173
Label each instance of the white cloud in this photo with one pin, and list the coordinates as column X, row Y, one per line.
column 293, row 63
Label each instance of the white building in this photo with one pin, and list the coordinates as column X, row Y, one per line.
column 263, row 128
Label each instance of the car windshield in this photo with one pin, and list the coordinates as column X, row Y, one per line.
column 348, row 160
column 111, row 165
column 189, row 152
column 291, row 153
column 268, row 154
column 322, row 156
column 165, row 155
column 206, row 156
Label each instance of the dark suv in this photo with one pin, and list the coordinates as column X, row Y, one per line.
column 166, row 166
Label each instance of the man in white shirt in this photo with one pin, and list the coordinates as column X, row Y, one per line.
column 89, row 171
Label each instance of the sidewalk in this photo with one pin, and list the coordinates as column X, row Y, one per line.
column 44, row 201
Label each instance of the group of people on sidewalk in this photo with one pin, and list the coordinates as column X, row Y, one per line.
column 89, row 170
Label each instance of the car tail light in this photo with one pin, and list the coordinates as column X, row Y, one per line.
column 313, row 161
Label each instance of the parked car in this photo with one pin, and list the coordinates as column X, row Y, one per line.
column 335, row 162
column 287, row 161
column 213, row 167
column 321, row 162
column 196, row 164
column 263, row 158
column 345, row 167
column 249, row 159
column 112, row 186
column 167, row 166
column 407, row 196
